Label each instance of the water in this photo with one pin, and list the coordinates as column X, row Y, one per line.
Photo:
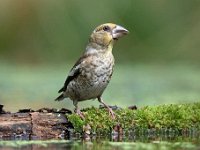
column 109, row 142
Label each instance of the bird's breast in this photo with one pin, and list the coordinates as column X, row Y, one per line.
column 99, row 69
column 93, row 79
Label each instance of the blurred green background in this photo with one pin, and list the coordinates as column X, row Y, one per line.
column 157, row 63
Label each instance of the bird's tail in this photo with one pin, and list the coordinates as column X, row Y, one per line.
column 60, row 98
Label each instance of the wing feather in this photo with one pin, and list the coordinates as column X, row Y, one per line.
column 74, row 73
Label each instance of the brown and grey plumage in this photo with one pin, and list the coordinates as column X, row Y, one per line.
column 91, row 74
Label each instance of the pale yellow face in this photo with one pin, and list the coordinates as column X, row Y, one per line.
column 102, row 35
column 105, row 34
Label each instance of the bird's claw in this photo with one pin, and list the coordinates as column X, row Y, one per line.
column 78, row 112
column 111, row 112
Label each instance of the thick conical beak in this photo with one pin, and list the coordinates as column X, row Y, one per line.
column 118, row 32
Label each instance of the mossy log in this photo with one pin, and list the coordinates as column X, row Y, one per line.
column 177, row 119
column 49, row 123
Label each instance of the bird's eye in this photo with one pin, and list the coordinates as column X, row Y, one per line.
column 106, row 28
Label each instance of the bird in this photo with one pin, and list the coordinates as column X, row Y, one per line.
column 91, row 74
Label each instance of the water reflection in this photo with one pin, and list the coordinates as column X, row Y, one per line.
column 114, row 141
column 137, row 142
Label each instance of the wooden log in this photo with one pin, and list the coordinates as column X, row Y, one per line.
column 48, row 125
column 33, row 125
column 15, row 125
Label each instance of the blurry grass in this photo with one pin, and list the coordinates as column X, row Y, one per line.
column 138, row 84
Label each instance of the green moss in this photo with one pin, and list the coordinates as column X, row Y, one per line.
column 174, row 116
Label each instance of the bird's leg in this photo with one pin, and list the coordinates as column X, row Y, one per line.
column 77, row 110
column 109, row 109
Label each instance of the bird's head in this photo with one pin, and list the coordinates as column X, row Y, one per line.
column 105, row 34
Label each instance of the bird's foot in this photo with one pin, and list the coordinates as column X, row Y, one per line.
column 111, row 112
column 78, row 112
